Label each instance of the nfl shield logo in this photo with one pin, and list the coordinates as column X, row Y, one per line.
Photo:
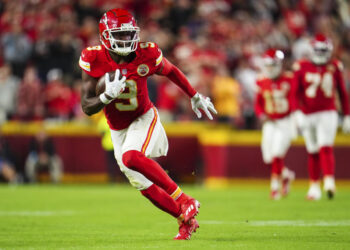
column 124, row 71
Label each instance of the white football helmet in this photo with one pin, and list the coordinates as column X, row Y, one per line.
column 272, row 63
column 322, row 49
column 119, row 32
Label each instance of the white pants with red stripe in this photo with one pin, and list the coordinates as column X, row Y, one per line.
column 319, row 129
column 147, row 135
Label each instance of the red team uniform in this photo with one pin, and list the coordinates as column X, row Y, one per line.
column 274, row 103
column 318, row 80
column 134, row 101
column 136, row 131
column 318, row 85
column 274, row 97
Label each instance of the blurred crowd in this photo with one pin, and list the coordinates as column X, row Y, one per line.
column 217, row 43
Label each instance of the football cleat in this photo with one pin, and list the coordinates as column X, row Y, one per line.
column 287, row 178
column 186, row 229
column 275, row 195
column 314, row 192
column 190, row 209
column 329, row 186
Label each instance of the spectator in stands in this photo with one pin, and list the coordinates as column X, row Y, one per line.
column 57, row 96
column 29, row 98
column 196, row 35
column 226, row 96
column 42, row 157
column 17, row 48
column 106, row 141
column 8, row 91
column 168, row 95
column 76, row 110
column 246, row 75
column 7, row 166
column 63, row 53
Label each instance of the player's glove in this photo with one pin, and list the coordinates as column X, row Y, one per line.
column 346, row 124
column 200, row 102
column 113, row 88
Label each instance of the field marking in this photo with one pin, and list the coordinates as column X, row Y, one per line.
column 279, row 223
column 36, row 213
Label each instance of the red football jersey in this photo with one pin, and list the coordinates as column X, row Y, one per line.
column 134, row 101
column 274, row 97
column 317, row 85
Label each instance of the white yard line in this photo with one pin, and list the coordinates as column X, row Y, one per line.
column 36, row 213
column 279, row 223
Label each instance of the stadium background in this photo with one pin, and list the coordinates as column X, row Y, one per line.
column 216, row 43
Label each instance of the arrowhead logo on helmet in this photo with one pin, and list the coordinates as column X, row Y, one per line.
column 119, row 32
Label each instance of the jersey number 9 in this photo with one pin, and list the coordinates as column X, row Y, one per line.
column 129, row 94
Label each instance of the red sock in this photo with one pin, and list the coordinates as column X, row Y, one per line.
column 182, row 198
column 137, row 161
column 162, row 200
column 314, row 167
column 327, row 160
column 276, row 166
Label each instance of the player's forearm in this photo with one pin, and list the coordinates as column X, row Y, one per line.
column 344, row 98
column 180, row 80
column 92, row 105
column 259, row 106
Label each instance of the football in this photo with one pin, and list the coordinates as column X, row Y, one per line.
column 100, row 86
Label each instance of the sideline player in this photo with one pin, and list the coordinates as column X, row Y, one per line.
column 318, row 79
column 273, row 107
column 136, row 131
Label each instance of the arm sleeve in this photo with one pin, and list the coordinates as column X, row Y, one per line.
column 344, row 99
column 259, row 103
column 88, row 62
column 296, row 91
column 175, row 75
column 293, row 100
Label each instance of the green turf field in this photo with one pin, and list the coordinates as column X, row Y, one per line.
column 118, row 217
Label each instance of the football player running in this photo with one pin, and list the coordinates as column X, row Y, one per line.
column 136, row 131
column 318, row 80
column 273, row 107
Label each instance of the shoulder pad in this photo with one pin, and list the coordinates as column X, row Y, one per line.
column 339, row 65
column 88, row 56
column 90, row 53
column 296, row 66
column 151, row 51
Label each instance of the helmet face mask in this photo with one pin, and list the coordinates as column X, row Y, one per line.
column 322, row 49
column 272, row 63
column 272, row 70
column 118, row 32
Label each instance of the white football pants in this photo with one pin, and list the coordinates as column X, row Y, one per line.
column 147, row 135
column 319, row 129
column 276, row 138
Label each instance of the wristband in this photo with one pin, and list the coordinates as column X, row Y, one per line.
column 104, row 99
